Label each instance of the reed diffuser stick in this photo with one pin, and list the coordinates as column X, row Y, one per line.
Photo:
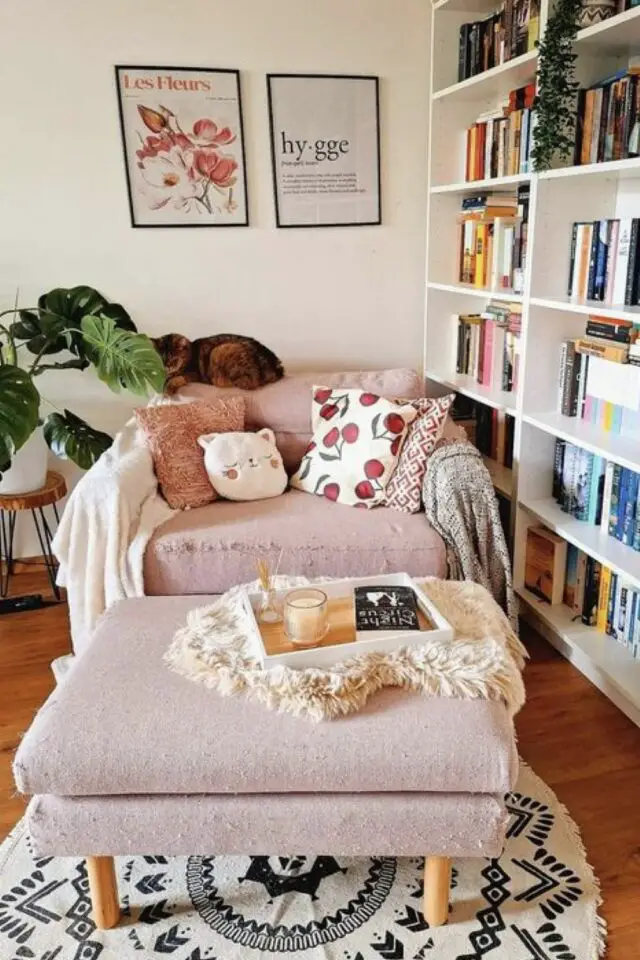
column 269, row 612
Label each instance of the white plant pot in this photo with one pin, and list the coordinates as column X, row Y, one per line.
column 28, row 470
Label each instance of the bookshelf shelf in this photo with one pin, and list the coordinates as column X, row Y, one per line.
column 593, row 540
column 622, row 450
column 557, row 199
column 499, row 399
column 491, row 183
column 469, row 290
column 618, row 169
column 468, row 6
column 618, row 34
column 604, row 661
column 501, row 476
column 492, row 84
column 586, row 307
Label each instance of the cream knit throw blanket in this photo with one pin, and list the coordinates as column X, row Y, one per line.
column 484, row 660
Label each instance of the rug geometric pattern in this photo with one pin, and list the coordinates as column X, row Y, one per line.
column 538, row 901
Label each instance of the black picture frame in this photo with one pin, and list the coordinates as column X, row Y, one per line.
column 118, row 69
column 377, row 220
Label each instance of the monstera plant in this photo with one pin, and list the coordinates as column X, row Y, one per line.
column 69, row 329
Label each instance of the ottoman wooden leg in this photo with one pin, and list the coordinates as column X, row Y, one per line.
column 104, row 891
column 437, row 878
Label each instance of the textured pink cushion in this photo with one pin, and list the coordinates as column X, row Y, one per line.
column 172, row 432
column 285, row 406
column 404, row 490
column 123, row 723
column 347, row 824
column 215, row 547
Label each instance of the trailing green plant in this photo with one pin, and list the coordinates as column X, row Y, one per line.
column 79, row 328
column 555, row 104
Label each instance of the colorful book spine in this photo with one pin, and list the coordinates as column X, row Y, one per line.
column 603, row 599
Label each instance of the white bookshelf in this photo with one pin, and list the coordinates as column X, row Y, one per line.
column 557, row 198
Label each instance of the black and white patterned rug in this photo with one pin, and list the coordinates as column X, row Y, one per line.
column 538, row 901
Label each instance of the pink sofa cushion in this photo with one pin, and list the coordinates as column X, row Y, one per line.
column 215, row 547
column 285, row 406
column 349, row 824
column 123, row 723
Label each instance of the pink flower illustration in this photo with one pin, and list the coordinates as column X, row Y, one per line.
column 215, row 167
column 207, row 133
column 185, row 171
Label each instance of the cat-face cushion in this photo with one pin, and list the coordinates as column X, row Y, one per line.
column 171, row 431
column 244, row 466
column 357, row 439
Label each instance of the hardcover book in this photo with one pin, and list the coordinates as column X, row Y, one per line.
column 545, row 564
column 386, row 608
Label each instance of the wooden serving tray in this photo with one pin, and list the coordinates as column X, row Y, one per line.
column 342, row 628
column 273, row 648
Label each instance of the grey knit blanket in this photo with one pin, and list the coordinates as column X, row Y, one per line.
column 461, row 505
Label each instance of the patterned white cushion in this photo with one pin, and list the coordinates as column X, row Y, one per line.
column 357, row 438
column 404, row 490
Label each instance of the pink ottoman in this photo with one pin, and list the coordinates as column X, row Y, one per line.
column 126, row 758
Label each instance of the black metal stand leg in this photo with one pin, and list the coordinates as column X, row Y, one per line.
column 7, row 530
column 45, row 538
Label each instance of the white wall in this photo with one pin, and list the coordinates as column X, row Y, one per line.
column 337, row 297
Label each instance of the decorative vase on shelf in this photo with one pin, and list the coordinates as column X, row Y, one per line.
column 28, row 470
column 594, row 11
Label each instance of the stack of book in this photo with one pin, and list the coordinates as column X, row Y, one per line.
column 602, row 599
column 599, row 381
column 510, row 32
column 604, row 261
column 493, row 240
column 599, row 492
column 487, row 345
column 608, row 120
column 499, row 142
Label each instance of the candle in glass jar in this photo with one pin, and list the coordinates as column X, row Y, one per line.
column 306, row 616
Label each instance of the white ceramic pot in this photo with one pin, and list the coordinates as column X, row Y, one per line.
column 28, row 470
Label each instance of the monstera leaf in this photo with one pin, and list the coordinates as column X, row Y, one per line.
column 122, row 358
column 19, row 403
column 71, row 438
column 43, row 332
column 56, row 325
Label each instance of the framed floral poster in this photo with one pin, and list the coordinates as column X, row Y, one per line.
column 325, row 149
column 184, row 146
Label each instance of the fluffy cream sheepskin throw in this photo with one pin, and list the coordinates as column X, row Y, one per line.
column 484, row 660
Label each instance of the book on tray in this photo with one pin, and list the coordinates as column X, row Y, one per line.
column 604, row 264
column 598, row 492
column 509, row 32
column 493, row 240
column 600, row 598
column 499, row 142
column 386, row 608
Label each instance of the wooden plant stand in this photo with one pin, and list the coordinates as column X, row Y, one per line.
column 11, row 504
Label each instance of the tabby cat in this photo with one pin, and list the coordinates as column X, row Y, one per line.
column 225, row 360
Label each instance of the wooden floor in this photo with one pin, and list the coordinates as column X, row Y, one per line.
column 569, row 733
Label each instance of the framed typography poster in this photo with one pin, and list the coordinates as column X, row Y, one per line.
column 183, row 145
column 325, row 149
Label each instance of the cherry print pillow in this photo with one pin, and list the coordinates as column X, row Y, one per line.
column 404, row 490
column 357, row 439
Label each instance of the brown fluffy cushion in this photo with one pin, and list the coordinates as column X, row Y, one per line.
column 172, row 432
